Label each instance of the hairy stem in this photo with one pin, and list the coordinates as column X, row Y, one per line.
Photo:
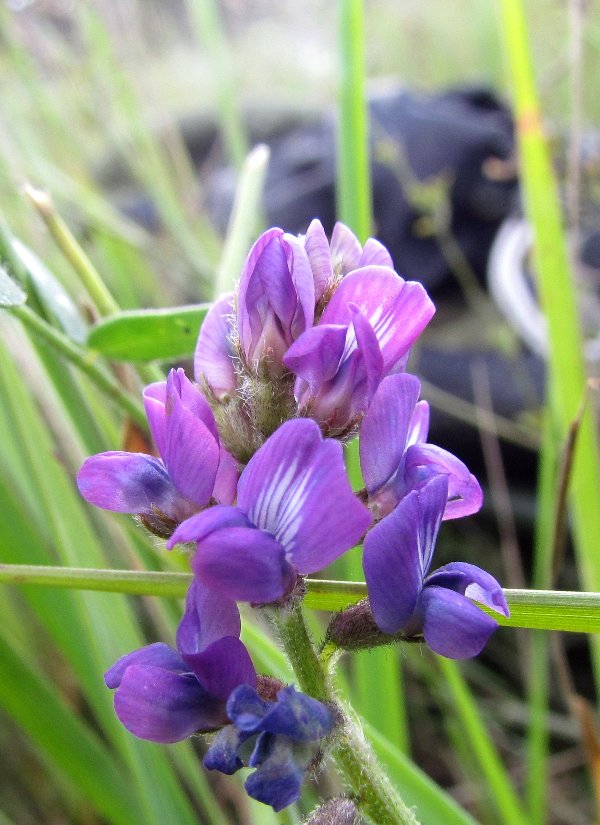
column 371, row 790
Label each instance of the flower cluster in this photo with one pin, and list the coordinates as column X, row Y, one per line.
column 310, row 351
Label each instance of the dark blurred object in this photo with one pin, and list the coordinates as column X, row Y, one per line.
column 441, row 165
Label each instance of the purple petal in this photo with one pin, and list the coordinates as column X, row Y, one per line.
column 155, row 396
column 392, row 565
column 192, row 399
column 223, row 752
column 372, row 289
column 222, row 666
column 157, row 655
column 370, row 351
column 345, row 249
column 304, row 284
column 278, row 780
column 208, row 617
column 473, row 582
column 228, row 473
column 452, row 625
column 419, row 424
column 298, row 716
column 156, row 704
column 202, row 524
column 191, row 449
column 375, row 254
column 385, row 428
column 317, row 249
column 315, row 356
column 244, row 564
column 464, row 493
column 128, row 483
column 214, row 357
column 296, row 488
column 246, row 709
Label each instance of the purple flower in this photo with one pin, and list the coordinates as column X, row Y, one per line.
column 395, row 458
column 275, row 300
column 164, row 695
column 403, row 597
column 365, row 333
column 295, row 514
column 193, row 467
column 277, row 738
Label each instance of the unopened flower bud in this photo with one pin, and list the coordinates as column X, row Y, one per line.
column 338, row 811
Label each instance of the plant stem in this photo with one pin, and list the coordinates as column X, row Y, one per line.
column 371, row 790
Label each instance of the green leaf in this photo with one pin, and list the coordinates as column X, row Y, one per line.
column 149, row 334
column 11, row 294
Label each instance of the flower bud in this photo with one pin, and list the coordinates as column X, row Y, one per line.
column 355, row 629
column 338, row 811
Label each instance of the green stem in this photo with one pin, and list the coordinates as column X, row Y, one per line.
column 371, row 790
column 81, row 359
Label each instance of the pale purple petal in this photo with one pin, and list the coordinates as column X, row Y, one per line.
column 345, row 249
column 385, row 429
column 375, row 254
column 452, row 625
column 128, row 483
column 214, row 356
column 296, row 488
column 471, row 581
column 401, row 323
column 157, row 655
column 367, row 345
column 191, row 450
column 199, row 526
column 244, row 564
column 372, row 289
column 222, row 666
column 419, row 424
column 228, row 473
column 155, row 396
column 392, row 565
column 317, row 249
column 192, row 399
column 156, row 704
column 432, row 501
column 464, row 493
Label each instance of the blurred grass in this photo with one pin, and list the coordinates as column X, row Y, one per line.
column 107, row 84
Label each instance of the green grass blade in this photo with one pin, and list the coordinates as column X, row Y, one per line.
column 353, row 169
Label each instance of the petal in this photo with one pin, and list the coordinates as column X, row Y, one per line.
column 228, row 473
column 278, row 780
column 375, row 254
column 345, row 249
column 372, row 361
column 202, row 524
column 222, row 666
column 244, row 564
column 157, row 655
column 162, row 706
column 288, row 488
column 128, row 483
column 304, row 284
column 155, row 396
column 192, row 399
column 191, row 450
column 247, row 709
column 222, row 754
column 208, row 617
column 464, row 493
column 214, row 357
column 472, row 582
column 385, row 427
column 392, row 565
column 452, row 625
column 419, row 424
column 315, row 356
column 298, row 716
column 317, row 249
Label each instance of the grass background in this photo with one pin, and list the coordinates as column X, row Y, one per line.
column 83, row 83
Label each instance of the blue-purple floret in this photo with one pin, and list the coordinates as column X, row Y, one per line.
column 279, row 738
